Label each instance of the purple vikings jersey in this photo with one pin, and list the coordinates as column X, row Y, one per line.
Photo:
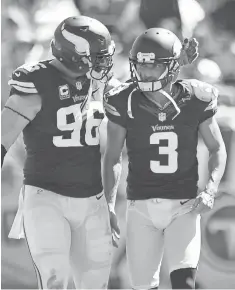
column 62, row 141
column 161, row 145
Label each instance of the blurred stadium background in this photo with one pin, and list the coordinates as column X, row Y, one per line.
column 27, row 27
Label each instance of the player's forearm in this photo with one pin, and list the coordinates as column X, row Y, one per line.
column 216, row 166
column 12, row 125
column 6, row 142
column 111, row 176
column 16, row 115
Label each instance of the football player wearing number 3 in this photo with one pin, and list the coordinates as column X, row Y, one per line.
column 159, row 117
column 57, row 103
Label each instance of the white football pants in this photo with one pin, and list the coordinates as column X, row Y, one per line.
column 64, row 232
column 155, row 226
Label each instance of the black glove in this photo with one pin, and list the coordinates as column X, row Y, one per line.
column 189, row 52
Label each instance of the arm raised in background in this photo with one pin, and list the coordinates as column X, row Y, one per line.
column 189, row 51
column 213, row 140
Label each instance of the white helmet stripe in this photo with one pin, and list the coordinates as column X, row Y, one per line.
column 82, row 46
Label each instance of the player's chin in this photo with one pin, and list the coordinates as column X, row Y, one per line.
column 98, row 74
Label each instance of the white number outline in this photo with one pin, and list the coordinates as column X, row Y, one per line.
column 169, row 150
column 75, row 127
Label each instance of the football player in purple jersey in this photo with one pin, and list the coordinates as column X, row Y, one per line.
column 57, row 103
column 159, row 118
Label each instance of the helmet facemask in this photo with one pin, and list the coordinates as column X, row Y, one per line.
column 168, row 76
column 101, row 63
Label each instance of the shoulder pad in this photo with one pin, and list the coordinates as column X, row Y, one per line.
column 28, row 68
column 21, row 78
column 203, row 91
column 114, row 87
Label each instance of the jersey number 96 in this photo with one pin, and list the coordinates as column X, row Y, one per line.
column 91, row 125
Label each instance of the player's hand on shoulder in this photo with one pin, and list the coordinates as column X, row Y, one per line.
column 189, row 52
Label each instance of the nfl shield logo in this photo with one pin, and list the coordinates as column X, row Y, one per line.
column 79, row 85
column 162, row 117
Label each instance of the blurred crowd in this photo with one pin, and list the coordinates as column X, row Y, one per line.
column 28, row 25
column 27, row 28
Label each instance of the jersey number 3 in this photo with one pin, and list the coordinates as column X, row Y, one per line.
column 169, row 150
column 92, row 125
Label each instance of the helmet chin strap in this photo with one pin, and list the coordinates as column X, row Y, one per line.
column 150, row 86
column 156, row 86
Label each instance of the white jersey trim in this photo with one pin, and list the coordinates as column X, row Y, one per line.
column 21, row 84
